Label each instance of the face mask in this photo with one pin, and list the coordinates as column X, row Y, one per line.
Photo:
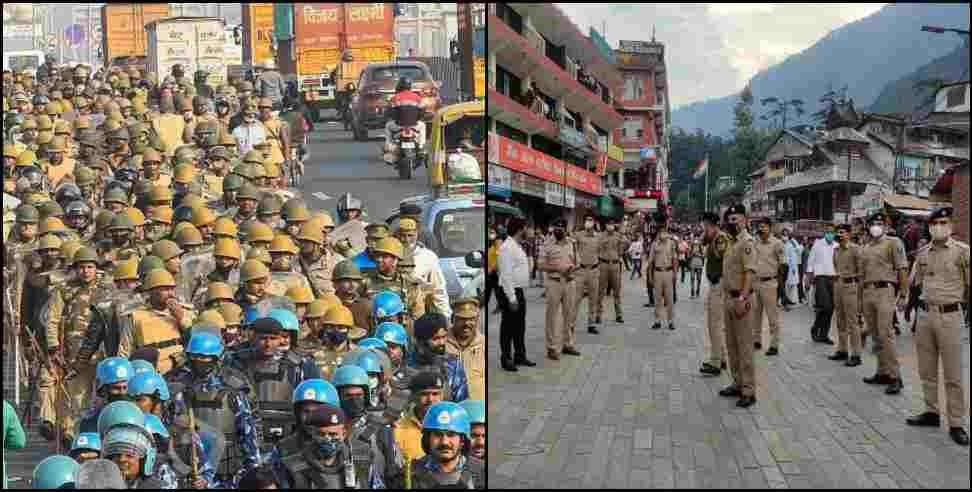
column 335, row 337
column 354, row 407
column 327, row 446
column 120, row 397
column 588, row 225
column 610, row 228
column 829, row 237
column 559, row 235
column 940, row 231
column 492, row 237
column 876, row 231
column 202, row 369
column 732, row 229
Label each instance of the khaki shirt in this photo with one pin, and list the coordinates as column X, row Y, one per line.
column 739, row 259
column 473, row 357
column 588, row 246
column 663, row 253
column 611, row 244
column 847, row 261
column 943, row 270
column 558, row 255
column 882, row 259
column 769, row 257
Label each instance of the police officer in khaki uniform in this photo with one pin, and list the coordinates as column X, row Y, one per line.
column 661, row 266
column 467, row 342
column 847, row 298
column 717, row 246
column 943, row 271
column 612, row 246
column 738, row 277
column 769, row 259
column 588, row 246
column 883, row 263
column 160, row 324
column 560, row 263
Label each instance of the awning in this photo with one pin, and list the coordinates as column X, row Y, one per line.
column 906, row 201
column 910, row 212
column 503, row 208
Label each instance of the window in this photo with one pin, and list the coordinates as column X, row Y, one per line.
column 955, row 96
column 633, row 88
column 632, row 127
column 508, row 84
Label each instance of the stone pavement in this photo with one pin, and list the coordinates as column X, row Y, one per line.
column 634, row 412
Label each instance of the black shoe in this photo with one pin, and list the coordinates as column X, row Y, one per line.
column 772, row 351
column 879, row 379
column 895, row 387
column 524, row 362
column 758, row 345
column 508, row 365
column 671, row 327
column 648, row 305
column 46, row 430
column 746, row 402
column 730, row 392
column 592, row 330
column 853, row 361
column 656, row 326
column 927, row 419
column 959, row 436
column 826, row 341
column 619, row 320
column 570, row 351
column 839, row 356
column 552, row 355
column 709, row 370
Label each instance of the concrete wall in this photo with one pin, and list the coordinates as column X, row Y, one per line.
column 960, row 203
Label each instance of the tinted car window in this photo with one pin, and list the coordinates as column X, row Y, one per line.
column 458, row 232
column 394, row 73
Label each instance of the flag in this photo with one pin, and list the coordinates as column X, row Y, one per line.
column 602, row 161
column 701, row 168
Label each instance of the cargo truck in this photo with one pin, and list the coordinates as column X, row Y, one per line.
column 197, row 43
column 330, row 45
column 124, row 39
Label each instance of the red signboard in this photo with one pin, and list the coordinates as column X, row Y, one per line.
column 520, row 158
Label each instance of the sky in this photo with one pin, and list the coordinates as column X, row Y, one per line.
column 713, row 49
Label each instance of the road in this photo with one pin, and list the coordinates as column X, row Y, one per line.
column 338, row 164
column 634, row 412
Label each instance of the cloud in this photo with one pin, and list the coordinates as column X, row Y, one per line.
column 712, row 50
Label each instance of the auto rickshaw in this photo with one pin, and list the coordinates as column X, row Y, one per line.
column 456, row 134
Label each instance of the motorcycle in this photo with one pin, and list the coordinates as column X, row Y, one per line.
column 408, row 159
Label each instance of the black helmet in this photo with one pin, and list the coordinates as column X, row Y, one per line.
column 182, row 213
column 125, row 186
column 404, row 84
column 33, row 175
column 67, row 193
column 126, row 174
column 39, row 99
column 77, row 208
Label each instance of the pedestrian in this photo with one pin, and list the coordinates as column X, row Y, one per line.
column 847, row 266
column 559, row 262
column 943, row 271
column 492, row 275
column 514, row 277
column 635, row 251
column 661, row 268
column 820, row 272
column 792, row 250
column 13, row 435
column 738, row 279
column 718, row 243
column 683, row 254
column 270, row 84
column 769, row 263
column 696, row 263
column 612, row 246
column 884, row 265
column 805, row 247
column 588, row 246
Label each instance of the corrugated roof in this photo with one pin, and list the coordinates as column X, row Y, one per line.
column 906, row 201
column 845, row 133
column 862, row 171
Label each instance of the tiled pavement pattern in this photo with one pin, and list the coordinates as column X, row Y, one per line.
column 634, row 412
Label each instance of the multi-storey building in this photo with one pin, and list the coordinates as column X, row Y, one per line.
column 425, row 29
column 551, row 115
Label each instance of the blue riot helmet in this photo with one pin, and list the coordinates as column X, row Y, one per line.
column 204, row 344
column 310, row 394
column 139, row 366
column 289, row 321
column 148, row 384
column 131, row 440
column 119, row 413
column 55, row 472
column 373, row 343
column 392, row 333
column 110, row 371
column 371, row 363
column 387, row 304
column 154, row 425
column 86, row 442
column 446, row 417
column 352, row 375
column 476, row 410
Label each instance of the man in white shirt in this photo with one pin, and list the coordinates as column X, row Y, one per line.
column 514, row 276
column 427, row 268
column 820, row 272
column 251, row 132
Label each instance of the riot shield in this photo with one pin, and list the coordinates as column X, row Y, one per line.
column 209, row 444
column 99, row 474
column 354, row 233
column 195, row 268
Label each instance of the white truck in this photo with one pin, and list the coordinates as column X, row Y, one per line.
column 197, row 43
column 29, row 60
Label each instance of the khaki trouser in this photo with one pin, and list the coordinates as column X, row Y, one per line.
column 610, row 278
column 55, row 406
column 940, row 335
column 715, row 321
column 560, row 300
column 765, row 301
column 588, row 287
column 739, row 340
column 846, row 309
column 664, row 286
column 878, row 309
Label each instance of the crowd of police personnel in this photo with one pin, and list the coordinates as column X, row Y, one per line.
column 183, row 314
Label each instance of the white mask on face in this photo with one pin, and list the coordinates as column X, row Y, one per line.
column 876, row 230
column 940, row 231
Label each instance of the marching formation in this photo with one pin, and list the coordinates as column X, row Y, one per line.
column 190, row 322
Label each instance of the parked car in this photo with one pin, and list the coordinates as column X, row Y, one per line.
column 376, row 87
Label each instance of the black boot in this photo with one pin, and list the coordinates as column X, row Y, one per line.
column 959, row 435
column 927, row 419
column 853, row 361
column 838, row 356
column 508, row 365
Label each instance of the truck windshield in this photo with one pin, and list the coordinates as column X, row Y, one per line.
column 417, row 74
column 23, row 62
column 460, row 231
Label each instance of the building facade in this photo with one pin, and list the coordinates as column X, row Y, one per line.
column 551, row 115
column 425, row 29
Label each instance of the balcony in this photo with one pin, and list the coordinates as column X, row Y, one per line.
column 504, row 108
column 517, row 54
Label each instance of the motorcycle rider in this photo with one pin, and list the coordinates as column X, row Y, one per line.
column 405, row 110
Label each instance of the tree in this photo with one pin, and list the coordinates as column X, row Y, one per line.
column 744, row 108
column 830, row 99
column 781, row 109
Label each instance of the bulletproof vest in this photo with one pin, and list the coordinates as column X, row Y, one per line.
column 281, row 281
column 159, row 330
column 713, row 259
column 308, row 472
column 436, row 365
column 376, row 282
column 471, row 477
column 401, row 395
column 365, row 451
column 77, row 301
column 217, row 408
column 272, row 391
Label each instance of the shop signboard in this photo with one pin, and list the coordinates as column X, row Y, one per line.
column 520, row 158
column 499, row 183
column 527, row 185
column 615, row 152
column 555, row 194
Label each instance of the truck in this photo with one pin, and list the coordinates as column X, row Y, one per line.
column 197, row 43
column 28, row 60
column 123, row 29
column 330, row 45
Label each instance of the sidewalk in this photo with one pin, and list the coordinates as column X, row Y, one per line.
column 634, row 412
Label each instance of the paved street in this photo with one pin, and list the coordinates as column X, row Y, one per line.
column 338, row 164
column 634, row 412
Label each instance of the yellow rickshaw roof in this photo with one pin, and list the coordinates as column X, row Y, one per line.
column 450, row 114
